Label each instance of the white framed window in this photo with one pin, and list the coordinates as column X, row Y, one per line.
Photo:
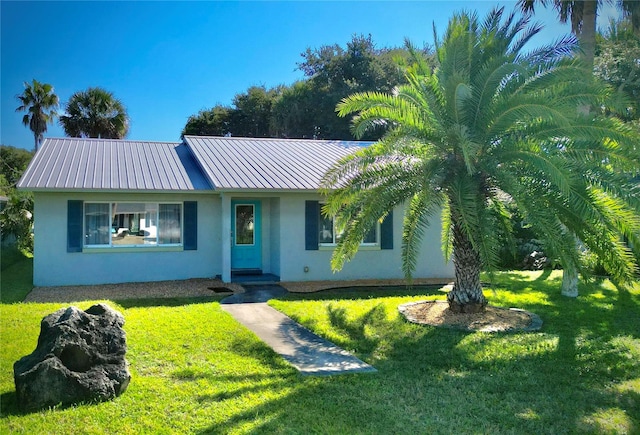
column 329, row 236
column 132, row 224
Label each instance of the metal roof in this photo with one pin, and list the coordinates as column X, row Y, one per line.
column 109, row 164
column 257, row 163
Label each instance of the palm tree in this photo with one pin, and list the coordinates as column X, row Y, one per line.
column 489, row 125
column 95, row 113
column 40, row 103
column 583, row 15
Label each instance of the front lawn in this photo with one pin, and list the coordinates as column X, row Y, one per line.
column 195, row 370
column 16, row 272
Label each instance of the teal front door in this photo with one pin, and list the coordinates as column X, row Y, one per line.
column 246, row 241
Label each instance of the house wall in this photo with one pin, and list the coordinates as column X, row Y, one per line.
column 367, row 264
column 54, row 266
column 274, row 236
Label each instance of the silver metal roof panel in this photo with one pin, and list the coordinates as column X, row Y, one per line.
column 109, row 164
column 259, row 163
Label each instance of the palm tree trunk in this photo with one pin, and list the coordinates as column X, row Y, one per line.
column 570, row 281
column 588, row 31
column 466, row 296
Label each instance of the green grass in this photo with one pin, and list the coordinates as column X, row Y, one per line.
column 16, row 274
column 196, row 370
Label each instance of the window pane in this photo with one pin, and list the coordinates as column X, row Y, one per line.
column 134, row 223
column 169, row 223
column 325, row 225
column 244, row 225
column 96, row 224
column 371, row 236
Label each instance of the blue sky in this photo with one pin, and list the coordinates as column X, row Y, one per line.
column 167, row 60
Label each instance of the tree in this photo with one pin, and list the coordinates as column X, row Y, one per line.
column 13, row 162
column 95, row 113
column 333, row 73
column 293, row 114
column 631, row 10
column 252, row 117
column 40, row 103
column 306, row 108
column 583, row 15
column 490, row 122
column 15, row 217
column 213, row 122
column 617, row 62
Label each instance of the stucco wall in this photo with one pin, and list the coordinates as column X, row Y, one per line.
column 54, row 266
column 274, row 237
column 367, row 264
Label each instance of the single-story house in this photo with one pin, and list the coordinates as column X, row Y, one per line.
column 110, row 211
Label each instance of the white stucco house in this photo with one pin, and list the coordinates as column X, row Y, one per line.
column 110, row 211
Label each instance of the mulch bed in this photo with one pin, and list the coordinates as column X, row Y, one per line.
column 492, row 319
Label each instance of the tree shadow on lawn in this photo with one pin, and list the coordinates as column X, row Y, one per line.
column 355, row 293
column 437, row 380
column 555, row 380
column 167, row 302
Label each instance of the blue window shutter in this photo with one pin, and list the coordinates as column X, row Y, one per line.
column 190, row 226
column 75, row 211
column 386, row 232
column 311, row 216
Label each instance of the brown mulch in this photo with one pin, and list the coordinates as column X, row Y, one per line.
column 492, row 319
column 197, row 287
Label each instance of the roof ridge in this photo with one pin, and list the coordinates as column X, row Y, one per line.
column 289, row 139
column 95, row 139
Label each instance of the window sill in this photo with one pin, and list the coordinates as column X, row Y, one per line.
column 367, row 247
column 137, row 249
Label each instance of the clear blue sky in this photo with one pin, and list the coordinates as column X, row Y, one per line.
column 167, row 60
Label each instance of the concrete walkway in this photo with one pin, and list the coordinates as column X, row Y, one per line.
column 310, row 354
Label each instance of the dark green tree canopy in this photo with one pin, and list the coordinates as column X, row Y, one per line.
column 13, row 162
column 95, row 113
column 306, row 109
column 250, row 116
column 15, row 217
column 40, row 102
column 213, row 122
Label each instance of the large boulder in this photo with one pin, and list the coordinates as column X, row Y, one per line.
column 80, row 357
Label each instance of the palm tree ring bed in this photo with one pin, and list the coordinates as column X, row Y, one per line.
column 492, row 319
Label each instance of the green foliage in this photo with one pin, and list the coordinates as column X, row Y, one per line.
column 306, row 109
column 95, row 113
column 16, row 213
column 16, row 220
column 492, row 124
column 617, row 54
column 250, row 116
column 40, row 103
column 196, row 370
column 213, row 122
column 334, row 72
column 13, row 162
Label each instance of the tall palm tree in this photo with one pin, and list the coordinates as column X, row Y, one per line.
column 583, row 14
column 95, row 113
column 631, row 10
column 40, row 103
column 491, row 124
